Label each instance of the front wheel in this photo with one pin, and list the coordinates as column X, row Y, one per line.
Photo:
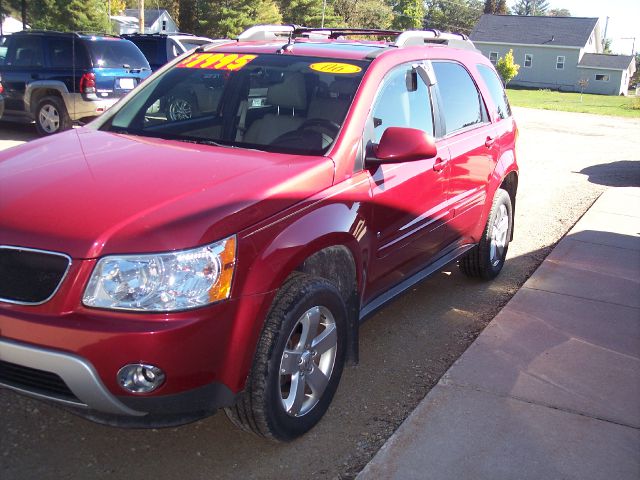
column 51, row 116
column 487, row 258
column 298, row 363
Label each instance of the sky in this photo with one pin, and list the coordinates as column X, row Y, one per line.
column 624, row 19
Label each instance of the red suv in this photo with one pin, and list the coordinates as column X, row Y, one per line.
column 155, row 268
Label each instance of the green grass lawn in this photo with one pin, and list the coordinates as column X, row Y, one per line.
column 570, row 102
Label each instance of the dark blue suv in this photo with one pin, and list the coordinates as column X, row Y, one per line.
column 57, row 78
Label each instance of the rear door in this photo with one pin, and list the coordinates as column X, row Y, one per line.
column 471, row 140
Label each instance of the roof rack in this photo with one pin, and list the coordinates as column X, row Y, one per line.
column 403, row 39
column 272, row 32
column 420, row 37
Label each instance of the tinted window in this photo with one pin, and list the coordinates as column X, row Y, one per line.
column 114, row 53
column 3, row 49
column 149, row 49
column 460, row 98
column 27, row 52
column 401, row 104
column 60, row 52
column 498, row 94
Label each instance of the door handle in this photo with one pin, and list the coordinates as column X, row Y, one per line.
column 439, row 164
column 489, row 142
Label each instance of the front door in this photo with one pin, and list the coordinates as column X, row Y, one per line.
column 408, row 199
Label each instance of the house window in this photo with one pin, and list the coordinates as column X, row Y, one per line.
column 560, row 62
column 164, row 25
column 493, row 57
column 600, row 77
column 528, row 60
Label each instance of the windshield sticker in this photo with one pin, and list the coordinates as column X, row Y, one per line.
column 335, row 67
column 216, row 61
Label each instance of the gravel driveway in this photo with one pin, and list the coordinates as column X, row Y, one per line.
column 566, row 161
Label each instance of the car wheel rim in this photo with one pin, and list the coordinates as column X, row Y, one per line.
column 180, row 109
column 307, row 361
column 499, row 234
column 49, row 118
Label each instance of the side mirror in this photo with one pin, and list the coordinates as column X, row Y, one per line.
column 399, row 144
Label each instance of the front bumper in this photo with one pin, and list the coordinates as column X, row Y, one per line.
column 72, row 359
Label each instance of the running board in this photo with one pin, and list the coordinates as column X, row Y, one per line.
column 405, row 285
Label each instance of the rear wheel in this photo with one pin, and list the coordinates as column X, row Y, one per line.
column 51, row 116
column 487, row 258
column 298, row 363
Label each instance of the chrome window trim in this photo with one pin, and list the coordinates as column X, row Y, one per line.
column 48, row 252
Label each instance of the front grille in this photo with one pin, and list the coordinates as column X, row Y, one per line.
column 30, row 276
column 35, row 381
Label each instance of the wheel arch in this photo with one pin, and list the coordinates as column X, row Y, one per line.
column 36, row 91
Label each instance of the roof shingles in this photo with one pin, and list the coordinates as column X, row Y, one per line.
column 529, row 30
column 601, row 60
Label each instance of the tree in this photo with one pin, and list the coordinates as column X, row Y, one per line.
column 364, row 13
column 228, row 18
column 496, row 7
column 408, row 14
column 606, row 45
column 559, row 12
column 530, row 7
column 308, row 13
column 507, row 68
column 459, row 16
column 69, row 15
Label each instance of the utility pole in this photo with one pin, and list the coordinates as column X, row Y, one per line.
column 606, row 27
column 24, row 14
column 324, row 5
column 1, row 19
column 141, row 16
column 633, row 45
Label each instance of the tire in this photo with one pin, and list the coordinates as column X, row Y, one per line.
column 292, row 381
column 51, row 116
column 180, row 107
column 487, row 258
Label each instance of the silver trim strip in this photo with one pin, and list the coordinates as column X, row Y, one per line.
column 47, row 252
column 79, row 375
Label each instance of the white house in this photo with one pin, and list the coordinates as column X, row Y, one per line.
column 554, row 52
column 155, row 21
column 11, row 25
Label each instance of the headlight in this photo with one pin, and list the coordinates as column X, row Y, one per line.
column 164, row 281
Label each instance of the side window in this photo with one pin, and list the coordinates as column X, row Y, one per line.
column 403, row 101
column 496, row 91
column 461, row 106
column 60, row 52
column 3, row 49
column 27, row 52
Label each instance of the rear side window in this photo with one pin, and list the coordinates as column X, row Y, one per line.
column 3, row 49
column 116, row 54
column 404, row 101
column 461, row 105
column 149, row 49
column 60, row 52
column 496, row 91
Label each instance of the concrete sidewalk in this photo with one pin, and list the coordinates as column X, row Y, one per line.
column 551, row 388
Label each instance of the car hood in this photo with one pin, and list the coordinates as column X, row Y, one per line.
column 88, row 193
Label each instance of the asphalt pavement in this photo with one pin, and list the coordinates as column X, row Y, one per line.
column 551, row 388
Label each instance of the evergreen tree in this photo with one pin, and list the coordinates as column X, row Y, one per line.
column 559, row 12
column 531, row 7
column 228, row 18
column 308, row 13
column 490, row 6
column 69, row 15
column 364, row 13
column 501, row 8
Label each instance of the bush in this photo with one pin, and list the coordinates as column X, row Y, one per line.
column 507, row 68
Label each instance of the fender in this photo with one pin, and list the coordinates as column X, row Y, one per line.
column 505, row 165
column 56, row 85
column 335, row 217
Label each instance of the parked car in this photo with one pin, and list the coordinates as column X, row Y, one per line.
column 160, row 48
column 155, row 269
column 56, row 78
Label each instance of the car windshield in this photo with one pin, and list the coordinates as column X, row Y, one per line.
column 116, row 53
column 278, row 103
